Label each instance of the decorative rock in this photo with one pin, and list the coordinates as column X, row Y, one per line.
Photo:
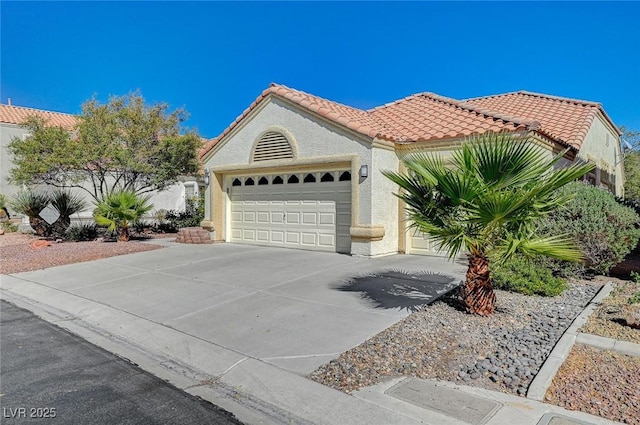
column 193, row 235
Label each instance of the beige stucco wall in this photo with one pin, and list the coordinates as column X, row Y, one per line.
column 384, row 205
column 318, row 144
column 602, row 145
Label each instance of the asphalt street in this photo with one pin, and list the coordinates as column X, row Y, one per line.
column 48, row 375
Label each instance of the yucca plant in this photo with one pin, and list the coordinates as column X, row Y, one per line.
column 119, row 210
column 4, row 202
column 30, row 203
column 67, row 204
column 487, row 203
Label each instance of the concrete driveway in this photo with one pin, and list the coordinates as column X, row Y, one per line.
column 280, row 306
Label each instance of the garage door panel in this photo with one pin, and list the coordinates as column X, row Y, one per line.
column 310, row 218
column 327, row 219
column 236, row 216
column 277, row 218
column 293, row 238
column 277, row 236
column 314, row 216
column 422, row 244
column 308, row 239
column 293, row 217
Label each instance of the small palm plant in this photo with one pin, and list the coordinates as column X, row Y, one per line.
column 119, row 210
column 487, row 203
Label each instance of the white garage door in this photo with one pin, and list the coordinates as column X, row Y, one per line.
column 421, row 244
column 310, row 210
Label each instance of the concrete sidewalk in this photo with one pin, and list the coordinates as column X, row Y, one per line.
column 250, row 375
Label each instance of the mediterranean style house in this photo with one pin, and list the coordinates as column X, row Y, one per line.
column 298, row 171
column 11, row 118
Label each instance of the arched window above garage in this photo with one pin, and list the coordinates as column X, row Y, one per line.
column 272, row 145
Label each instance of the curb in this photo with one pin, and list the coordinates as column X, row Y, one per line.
column 623, row 347
column 538, row 387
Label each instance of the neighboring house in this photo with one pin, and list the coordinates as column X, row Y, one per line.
column 298, row 171
column 10, row 119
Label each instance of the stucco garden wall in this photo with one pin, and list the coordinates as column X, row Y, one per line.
column 8, row 132
column 172, row 198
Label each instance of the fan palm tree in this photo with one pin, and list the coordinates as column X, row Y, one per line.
column 118, row 210
column 486, row 203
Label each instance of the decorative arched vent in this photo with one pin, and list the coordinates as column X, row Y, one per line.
column 272, row 145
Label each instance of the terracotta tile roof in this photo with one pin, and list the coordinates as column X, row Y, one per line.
column 18, row 114
column 420, row 117
column 563, row 119
column 353, row 118
column 428, row 116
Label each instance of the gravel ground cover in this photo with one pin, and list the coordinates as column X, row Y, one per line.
column 17, row 255
column 588, row 373
column 501, row 352
column 607, row 320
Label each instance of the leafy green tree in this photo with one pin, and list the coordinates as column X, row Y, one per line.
column 487, row 203
column 631, row 164
column 124, row 144
column 120, row 209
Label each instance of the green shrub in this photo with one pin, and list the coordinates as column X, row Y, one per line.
column 82, row 232
column 192, row 216
column 526, row 276
column 604, row 230
column 119, row 210
column 9, row 227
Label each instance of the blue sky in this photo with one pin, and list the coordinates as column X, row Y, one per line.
column 215, row 58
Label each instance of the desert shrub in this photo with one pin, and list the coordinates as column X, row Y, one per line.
column 631, row 203
column 604, row 230
column 9, row 227
column 526, row 276
column 192, row 216
column 119, row 210
column 82, row 232
column 4, row 203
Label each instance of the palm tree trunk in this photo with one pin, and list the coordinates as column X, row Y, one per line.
column 477, row 292
column 124, row 234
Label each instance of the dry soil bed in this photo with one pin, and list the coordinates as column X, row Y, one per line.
column 588, row 374
column 607, row 320
column 17, row 255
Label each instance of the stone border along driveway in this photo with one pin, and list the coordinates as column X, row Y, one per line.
column 558, row 355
